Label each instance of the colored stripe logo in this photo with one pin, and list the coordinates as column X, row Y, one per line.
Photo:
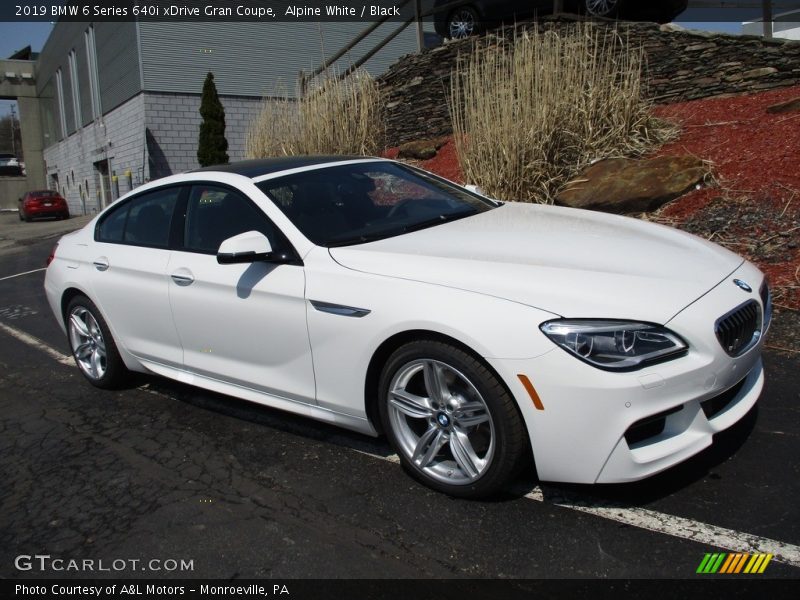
column 734, row 563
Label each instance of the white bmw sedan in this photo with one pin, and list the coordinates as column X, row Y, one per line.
column 475, row 334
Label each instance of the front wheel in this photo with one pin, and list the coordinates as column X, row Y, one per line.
column 451, row 421
column 463, row 22
column 601, row 8
column 92, row 346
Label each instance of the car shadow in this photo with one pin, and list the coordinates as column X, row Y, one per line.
column 258, row 414
column 623, row 495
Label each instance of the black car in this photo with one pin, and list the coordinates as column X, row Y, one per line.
column 461, row 19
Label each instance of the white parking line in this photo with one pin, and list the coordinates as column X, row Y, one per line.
column 35, row 342
column 21, row 274
column 680, row 527
column 642, row 518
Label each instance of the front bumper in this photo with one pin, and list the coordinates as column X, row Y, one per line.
column 580, row 436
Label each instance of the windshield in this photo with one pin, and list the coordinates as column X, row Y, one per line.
column 363, row 202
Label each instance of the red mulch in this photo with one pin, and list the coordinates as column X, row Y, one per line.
column 755, row 157
column 753, row 153
column 754, row 208
column 444, row 164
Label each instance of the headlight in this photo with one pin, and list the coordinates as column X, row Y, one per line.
column 614, row 345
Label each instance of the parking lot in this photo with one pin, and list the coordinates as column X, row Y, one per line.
column 163, row 473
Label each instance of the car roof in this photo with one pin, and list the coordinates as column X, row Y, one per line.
column 266, row 166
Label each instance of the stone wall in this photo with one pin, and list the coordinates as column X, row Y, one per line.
column 682, row 65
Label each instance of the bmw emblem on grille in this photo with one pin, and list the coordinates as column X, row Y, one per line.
column 743, row 285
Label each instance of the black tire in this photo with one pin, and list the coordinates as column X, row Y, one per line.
column 111, row 371
column 21, row 218
column 499, row 443
column 27, row 219
column 463, row 22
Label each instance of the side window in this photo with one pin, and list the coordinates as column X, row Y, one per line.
column 215, row 214
column 150, row 217
column 112, row 227
column 143, row 221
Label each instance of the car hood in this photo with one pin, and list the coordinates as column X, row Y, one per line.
column 572, row 263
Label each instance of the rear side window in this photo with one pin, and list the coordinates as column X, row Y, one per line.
column 142, row 221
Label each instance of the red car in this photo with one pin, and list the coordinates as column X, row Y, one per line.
column 43, row 203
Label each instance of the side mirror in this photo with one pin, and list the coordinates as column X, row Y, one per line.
column 247, row 247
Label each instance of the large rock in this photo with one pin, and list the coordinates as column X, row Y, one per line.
column 622, row 185
column 421, row 149
column 785, row 107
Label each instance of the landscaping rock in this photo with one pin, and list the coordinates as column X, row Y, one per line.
column 621, row 185
column 785, row 107
column 421, row 149
column 754, row 73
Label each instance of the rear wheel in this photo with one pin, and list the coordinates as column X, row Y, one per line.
column 451, row 421
column 92, row 346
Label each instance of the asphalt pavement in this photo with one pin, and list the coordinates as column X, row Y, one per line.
column 169, row 472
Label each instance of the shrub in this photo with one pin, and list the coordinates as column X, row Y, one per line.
column 530, row 112
column 341, row 116
column 212, row 147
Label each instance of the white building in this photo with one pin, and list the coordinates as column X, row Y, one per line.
column 784, row 25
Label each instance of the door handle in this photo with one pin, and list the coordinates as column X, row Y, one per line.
column 182, row 277
column 101, row 264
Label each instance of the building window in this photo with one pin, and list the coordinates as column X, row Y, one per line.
column 76, row 95
column 91, row 60
column 62, row 114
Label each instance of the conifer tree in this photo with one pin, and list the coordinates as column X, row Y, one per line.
column 212, row 147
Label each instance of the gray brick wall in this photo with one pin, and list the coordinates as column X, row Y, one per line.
column 173, row 122
column 152, row 135
column 119, row 138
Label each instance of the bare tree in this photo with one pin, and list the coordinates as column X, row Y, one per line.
column 10, row 136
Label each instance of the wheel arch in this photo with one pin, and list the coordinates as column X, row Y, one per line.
column 66, row 298
column 395, row 341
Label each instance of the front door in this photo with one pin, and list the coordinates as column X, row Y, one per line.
column 244, row 324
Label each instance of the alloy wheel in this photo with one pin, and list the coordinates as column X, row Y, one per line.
column 441, row 422
column 601, row 8
column 462, row 24
column 87, row 342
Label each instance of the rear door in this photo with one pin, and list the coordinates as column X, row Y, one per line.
column 129, row 274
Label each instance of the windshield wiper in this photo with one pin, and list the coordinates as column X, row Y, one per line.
column 362, row 239
column 438, row 220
